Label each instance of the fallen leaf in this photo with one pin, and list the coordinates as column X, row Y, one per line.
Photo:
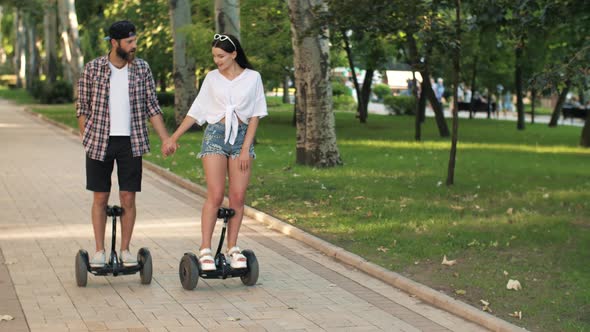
column 486, row 306
column 448, row 262
column 382, row 249
column 6, row 317
column 457, row 207
column 359, row 197
column 513, row 284
column 509, row 211
column 505, row 273
column 516, row 314
column 460, row 292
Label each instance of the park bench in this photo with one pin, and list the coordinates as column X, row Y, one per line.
column 479, row 106
column 573, row 112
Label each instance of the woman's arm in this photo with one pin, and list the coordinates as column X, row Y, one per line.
column 170, row 145
column 248, row 141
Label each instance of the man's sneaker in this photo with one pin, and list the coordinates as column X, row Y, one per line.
column 98, row 260
column 128, row 259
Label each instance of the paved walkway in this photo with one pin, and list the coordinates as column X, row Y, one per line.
column 44, row 220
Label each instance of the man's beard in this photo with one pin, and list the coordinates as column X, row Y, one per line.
column 127, row 56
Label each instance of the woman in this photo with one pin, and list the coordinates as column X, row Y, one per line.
column 231, row 101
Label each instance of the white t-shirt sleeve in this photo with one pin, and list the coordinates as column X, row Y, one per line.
column 198, row 110
column 260, row 109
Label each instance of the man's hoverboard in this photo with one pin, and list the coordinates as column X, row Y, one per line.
column 190, row 270
column 115, row 265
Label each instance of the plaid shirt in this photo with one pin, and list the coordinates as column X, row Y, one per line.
column 93, row 102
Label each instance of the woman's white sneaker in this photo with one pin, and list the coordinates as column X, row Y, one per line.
column 128, row 259
column 98, row 260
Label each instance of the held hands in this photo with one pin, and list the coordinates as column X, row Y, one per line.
column 169, row 146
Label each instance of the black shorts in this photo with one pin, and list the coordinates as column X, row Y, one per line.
column 129, row 168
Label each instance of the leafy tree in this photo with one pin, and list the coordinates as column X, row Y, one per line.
column 267, row 41
column 154, row 42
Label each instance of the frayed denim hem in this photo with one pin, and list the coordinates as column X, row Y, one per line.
column 233, row 156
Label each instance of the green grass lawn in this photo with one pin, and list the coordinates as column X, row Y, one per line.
column 519, row 209
column 19, row 96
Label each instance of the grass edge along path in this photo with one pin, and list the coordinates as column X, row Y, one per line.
column 526, row 220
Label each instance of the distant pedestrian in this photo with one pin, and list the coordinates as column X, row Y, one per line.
column 507, row 101
column 439, row 90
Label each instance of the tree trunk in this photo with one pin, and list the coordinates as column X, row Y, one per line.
column 559, row 104
column 184, row 64
column 32, row 71
column 286, row 79
column 316, row 132
column 428, row 92
column 422, row 103
column 366, row 95
column 518, row 84
column 585, row 138
column 456, row 79
column 360, row 103
column 71, row 41
column 439, row 116
column 533, row 100
column 20, row 58
column 50, row 34
column 2, row 51
column 473, row 87
column 227, row 17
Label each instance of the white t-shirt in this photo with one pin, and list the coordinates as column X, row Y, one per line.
column 119, row 106
column 240, row 98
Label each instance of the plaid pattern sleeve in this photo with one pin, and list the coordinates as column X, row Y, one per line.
column 93, row 102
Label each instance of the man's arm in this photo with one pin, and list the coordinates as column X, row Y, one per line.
column 82, row 103
column 159, row 126
column 81, row 124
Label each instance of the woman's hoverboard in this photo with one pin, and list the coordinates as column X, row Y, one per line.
column 115, row 265
column 190, row 270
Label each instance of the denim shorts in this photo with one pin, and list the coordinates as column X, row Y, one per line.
column 213, row 141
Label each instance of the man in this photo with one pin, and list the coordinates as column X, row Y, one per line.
column 116, row 95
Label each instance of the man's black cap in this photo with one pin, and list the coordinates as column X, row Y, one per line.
column 121, row 30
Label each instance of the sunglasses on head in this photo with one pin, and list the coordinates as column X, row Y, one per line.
column 224, row 38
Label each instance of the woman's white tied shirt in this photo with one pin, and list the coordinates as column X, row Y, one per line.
column 240, row 98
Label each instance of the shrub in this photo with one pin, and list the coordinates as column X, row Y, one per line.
column 165, row 98
column 400, row 105
column 343, row 103
column 169, row 118
column 274, row 101
column 339, row 89
column 381, row 91
column 59, row 92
